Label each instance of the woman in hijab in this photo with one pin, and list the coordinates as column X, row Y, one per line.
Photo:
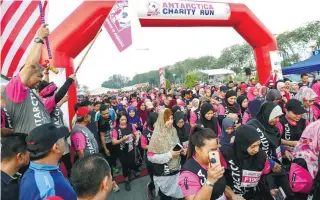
column 142, row 112
column 307, row 97
column 243, row 102
column 305, row 165
column 262, row 93
column 166, row 162
column 252, row 111
column 207, row 119
column 145, row 140
column 183, row 131
column 227, row 131
column 195, row 113
column 229, row 107
column 134, row 119
column 294, row 88
column 245, row 162
column 273, row 95
column 265, row 123
column 252, row 93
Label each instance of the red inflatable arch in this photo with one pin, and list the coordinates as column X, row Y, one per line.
column 78, row 29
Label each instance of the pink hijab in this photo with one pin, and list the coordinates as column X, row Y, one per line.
column 308, row 147
column 250, row 94
column 316, row 89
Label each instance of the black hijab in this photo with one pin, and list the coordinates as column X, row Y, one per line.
column 151, row 120
column 184, row 131
column 213, row 123
column 271, row 132
column 174, row 109
column 240, row 99
column 273, row 95
column 235, row 108
column 245, row 137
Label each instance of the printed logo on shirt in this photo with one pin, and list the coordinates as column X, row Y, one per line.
column 287, row 134
column 202, row 177
column 235, row 174
column 264, row 142
column 185, row 182
column 37, row 112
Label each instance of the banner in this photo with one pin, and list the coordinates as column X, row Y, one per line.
column 162, row 78
column 276, row 63
column 175, row 9
column 118, row 25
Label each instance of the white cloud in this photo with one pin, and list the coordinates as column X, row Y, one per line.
column 168, row 45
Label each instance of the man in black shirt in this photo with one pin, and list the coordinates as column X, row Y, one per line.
column 14, row 155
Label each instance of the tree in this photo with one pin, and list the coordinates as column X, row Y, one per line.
column 116, row 81
column 190, row 80
column 85, row 89
column 168, row 84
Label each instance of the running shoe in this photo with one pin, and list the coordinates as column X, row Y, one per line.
column 115, row 187
column 127, row 186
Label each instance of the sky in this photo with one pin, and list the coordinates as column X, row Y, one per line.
column 169, row 45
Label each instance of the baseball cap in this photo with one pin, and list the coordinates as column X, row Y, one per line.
column 223, row 88
column 113, row 97
column 42, row 138
column 82, row 111
column 295, row 106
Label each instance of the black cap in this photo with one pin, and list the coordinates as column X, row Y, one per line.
column 42, row 138
column 223, row 88
column 295, row 106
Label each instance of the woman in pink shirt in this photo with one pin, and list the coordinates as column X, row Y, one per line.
column 199, row 178
column 127, row 136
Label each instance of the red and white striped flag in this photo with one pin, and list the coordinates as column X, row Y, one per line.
column 20, row 20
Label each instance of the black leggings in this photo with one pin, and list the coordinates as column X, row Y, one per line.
column 113, row 154
column 151, row 172
column 127, row 162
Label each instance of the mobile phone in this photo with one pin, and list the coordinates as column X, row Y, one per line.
column 178, row 147
column 214, row 157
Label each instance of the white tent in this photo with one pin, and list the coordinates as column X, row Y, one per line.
column 101, row 90
column 215, row 72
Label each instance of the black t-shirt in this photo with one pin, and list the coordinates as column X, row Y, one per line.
column 92, row 126
column 9, row 186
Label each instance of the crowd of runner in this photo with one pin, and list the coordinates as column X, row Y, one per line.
column 226, row 141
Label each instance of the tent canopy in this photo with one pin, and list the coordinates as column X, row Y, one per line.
column 101, row 90
column 214, row 72
column 310, row 65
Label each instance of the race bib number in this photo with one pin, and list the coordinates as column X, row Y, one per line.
column 185, row 144
column 279, row 155
column 250, row 178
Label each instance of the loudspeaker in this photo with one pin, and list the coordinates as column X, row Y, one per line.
column 248, row 71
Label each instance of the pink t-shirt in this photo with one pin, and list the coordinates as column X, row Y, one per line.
column 115, row 132
column 193, row 118
column 245, row 117
column 144, row 141
column 16, row 91
column 193, row 180
column 79, row 141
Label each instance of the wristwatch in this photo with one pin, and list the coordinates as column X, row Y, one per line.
column 208, row 183
column 38, row 40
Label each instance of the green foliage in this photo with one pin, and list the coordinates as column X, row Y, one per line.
column 190, row 80
column 116, row 81
column 168, row 84
column 293, row 46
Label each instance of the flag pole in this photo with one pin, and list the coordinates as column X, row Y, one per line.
column 85, row 55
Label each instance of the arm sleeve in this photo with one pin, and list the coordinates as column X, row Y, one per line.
column 16, row 91
column 134, row 129
column 267, row 167
column 63, row 90
column 193, row 118
column 79, row 141
column 159, row 158
column 49, row 103
column 114, row 134
column 189, row 183
column 144, row 141
column 245, row 118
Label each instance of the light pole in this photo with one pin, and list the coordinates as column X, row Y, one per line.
column 174, row 78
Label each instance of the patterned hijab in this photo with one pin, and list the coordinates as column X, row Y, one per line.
column 164, row 139
column 308, row 147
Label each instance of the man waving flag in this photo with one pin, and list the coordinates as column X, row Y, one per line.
column 20, row 21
